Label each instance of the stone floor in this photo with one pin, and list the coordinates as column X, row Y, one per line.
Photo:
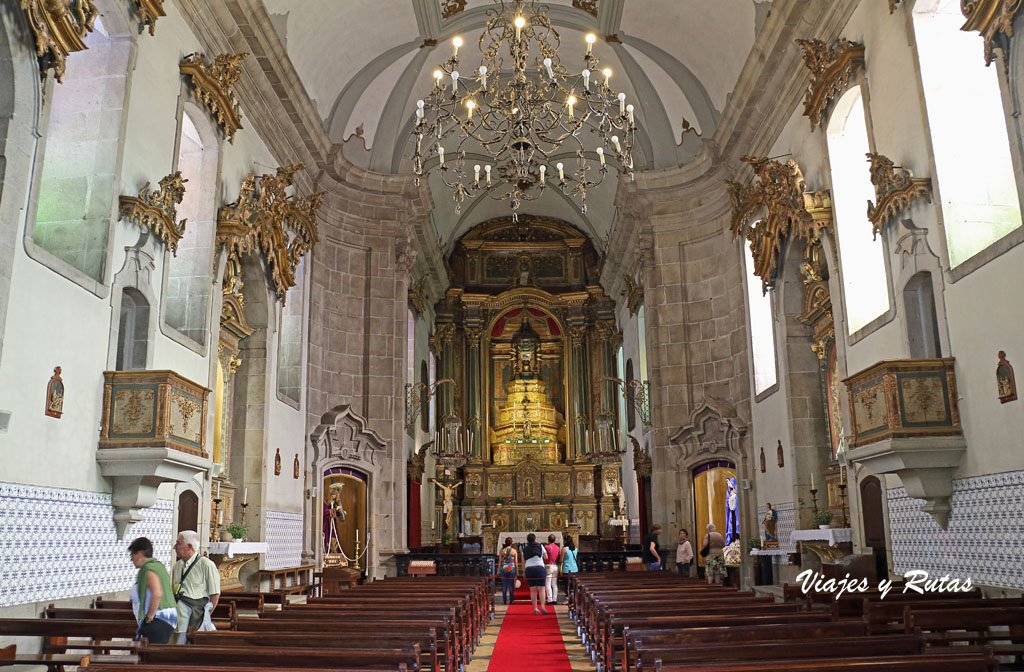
column 578, row 657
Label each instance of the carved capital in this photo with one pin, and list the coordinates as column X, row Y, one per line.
column 994, row 20
column 155, row 210
column 578, row 334
column 831, row 69
column 768, row 211
column 418, row 295
column 895, row 190
column 59, row 28
column 633, row 292
column 588, row 6
column 213, row 84
column 450, row 8
column 149, row 11
column 266, row 219
column 473, row 335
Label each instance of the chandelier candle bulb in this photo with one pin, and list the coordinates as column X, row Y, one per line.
column 561, row 173
column 440, row 155
column 543, row 169
column 519, row 23
column 476, row 174
column 437, row 77
column 456, row 43
column 483, row 77
column 470, row 105
column 571, row 102
column 586, row 79
column 607, row 72
column 629, row 113
column 487, row 171
column 615, row 141
column 547, row 66
column 455, row 81
column 600, row 155
column 622, row 104
column 590, row 38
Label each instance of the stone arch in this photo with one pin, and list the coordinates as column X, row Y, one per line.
column 135, row 277
column 914, row 259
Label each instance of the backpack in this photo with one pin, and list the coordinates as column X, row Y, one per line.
column 508, row 566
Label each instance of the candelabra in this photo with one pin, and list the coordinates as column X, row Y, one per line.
column 244, row 507
column 842, row 495
column 521, row 120
column 215, row 523
column 814, row 500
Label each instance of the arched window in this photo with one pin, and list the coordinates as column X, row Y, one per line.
column 641, row 327
column 630, row 397
column 133, row 331
column 865, row 285
column 426, row 408
column 410, row 369
column 762, row 328
column 289, row 353
column 922, row 321
column 969, row 134
column 187, row 294
column 78, row 184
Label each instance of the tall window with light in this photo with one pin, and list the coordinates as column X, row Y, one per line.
column 969, row 133
column 861, row 255
column 762, row 328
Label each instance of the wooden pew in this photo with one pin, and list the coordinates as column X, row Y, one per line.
column 231, row 657
column 959, row 662
column 736, row 634
column 882, row 616
column 757, row 651
column 288, row 580
column 384, row 636
column 942, row 627
column 94, row 666
column 9, row 656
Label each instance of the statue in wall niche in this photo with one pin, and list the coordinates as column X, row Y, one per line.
column 779, row 456
column 334, row 515
column 732, row 520
column 764, row 467
column 1005, row 383
column 277, row 462
column 295, row 467
column 55, row 395
column 620, row 496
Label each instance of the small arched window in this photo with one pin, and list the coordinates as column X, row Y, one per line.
column 426, row 406
column 922, row 321
column 78, row 183
column 187, row 294
column 974, row 170
column 865, row 284
column 133, row 331
column 630, row 397
column 762, row 328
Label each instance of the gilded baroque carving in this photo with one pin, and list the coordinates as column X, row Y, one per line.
column 994, row 20
column 213, row 84
column 149, row 11
column 416, row 465
column 588, row 6
column 418, row 296
column 450, row 8
column 895, row 190
column 831, row 68
column 281, row 227
column 641, row 460
column 155, row 210
column 578, row 334
column 59, row 27
column 775, row 204
column 634, row 293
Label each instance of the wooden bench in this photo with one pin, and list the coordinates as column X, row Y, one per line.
column 959, row 662
column 231, row 657
column 95, row 666
column 288, row 581
column 9, row 656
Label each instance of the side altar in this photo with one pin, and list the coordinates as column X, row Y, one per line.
column 528, row 339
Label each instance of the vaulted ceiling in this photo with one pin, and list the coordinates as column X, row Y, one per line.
column 365, row 63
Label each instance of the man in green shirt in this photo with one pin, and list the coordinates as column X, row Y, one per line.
column 196, row 582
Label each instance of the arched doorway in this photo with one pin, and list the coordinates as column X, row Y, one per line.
column 872, row 505
column 343, row 518
column 716, row 501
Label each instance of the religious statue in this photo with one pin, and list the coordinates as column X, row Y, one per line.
column 55, row 395
column 769, row 523
column 277, row 463
column 621, row 497
column 449, row 504
column 334, row 515
column 732, row 521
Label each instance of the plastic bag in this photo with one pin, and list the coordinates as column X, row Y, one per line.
column 207, row 624
column 518, row 583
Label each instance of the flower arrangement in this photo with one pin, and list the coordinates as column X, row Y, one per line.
column 236, row 530
column 823, row 518
column 755, row 542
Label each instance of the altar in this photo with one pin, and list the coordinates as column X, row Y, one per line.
column 232, row 560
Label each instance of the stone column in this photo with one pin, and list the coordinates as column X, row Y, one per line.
column 474, row 392
column 579, row 411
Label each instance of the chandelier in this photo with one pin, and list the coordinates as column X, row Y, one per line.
column 516, row 122
column 604, row 446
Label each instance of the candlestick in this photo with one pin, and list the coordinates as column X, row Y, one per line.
column 218, row 489
column 244, row 507
column 812, row 481
column 245, row 497
column 220, row 517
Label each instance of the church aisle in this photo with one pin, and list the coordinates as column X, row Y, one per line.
column 516, row 637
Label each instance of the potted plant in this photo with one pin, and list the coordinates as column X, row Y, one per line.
column 823, row 518
column 237, row 531
column 755, row 543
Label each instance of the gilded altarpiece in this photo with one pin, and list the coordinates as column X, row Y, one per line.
column 528, row 335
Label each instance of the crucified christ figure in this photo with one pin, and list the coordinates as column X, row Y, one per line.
column 449, row 504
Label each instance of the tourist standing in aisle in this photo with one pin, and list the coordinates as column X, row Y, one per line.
column 568, row 562
column 714, row 542
column 152, row 599
column 552, row 552
column 508, row 561
column 684, row 554
column 196, row 582
column 533, row 565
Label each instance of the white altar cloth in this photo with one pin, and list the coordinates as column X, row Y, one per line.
column 520, row 537
column 832, row 535
column 232, row 548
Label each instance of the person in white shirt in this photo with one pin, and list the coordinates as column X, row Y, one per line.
column 684, row 554
column 196, row 582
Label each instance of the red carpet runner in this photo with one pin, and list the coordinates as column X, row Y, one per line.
column 528, row 641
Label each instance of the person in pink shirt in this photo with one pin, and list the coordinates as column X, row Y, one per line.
column 551, row 567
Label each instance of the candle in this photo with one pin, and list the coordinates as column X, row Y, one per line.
column 483, row 76
column 218, row 490
column 812, row 480
column 519, row 23
column 622, row 104
column 586, row 79
column 220, row 517
column 543, row 169
column 843, row 471
column 357, row 535
column 456, row 43
column 600, row 155
column 591, row 38
column 245, row 496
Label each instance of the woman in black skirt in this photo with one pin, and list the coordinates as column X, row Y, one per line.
column 534, row 559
